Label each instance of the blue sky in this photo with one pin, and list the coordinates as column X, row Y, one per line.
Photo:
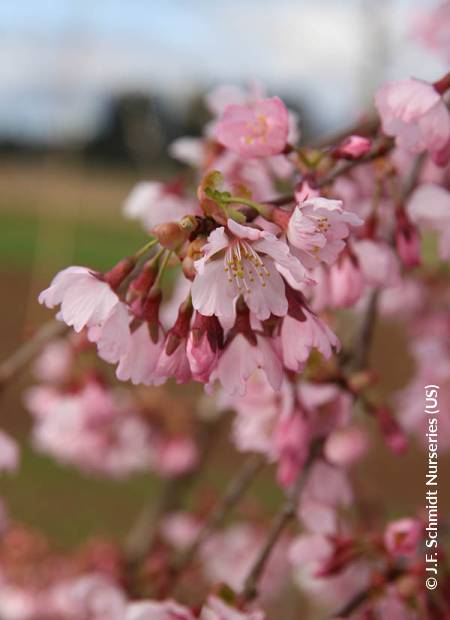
column 59, row 59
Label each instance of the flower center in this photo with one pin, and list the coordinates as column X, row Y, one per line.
column 322, row 225
column 244, row 267
column 257, row 130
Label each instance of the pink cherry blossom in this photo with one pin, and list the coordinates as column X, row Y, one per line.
column 175, row 365
column 216, row 609
column 256, row 174
column 300, row 337
column 139, row 362
column 352, row 147
column 327, row 489
column 170, row 306
column 157, row 610
column 156, row 203
column 329, row 485
column 176, row 456
column 242, row 260
column 402, row 536
column 392, row 604
column 328, row 404
column 405, row 299
column 415, row 114
column 17, row 603
column 345, row 281
column 40, row 398
column 317, row 229
column 93, row 430
column 241, row 358
column 379, row 263
column 53, row 363
column 308, row 554
column 179, row 529
column 86, row 300
column 228, row 556
column 432, row 27
column 89, row 597
column 429, row 208
column 188, row 150
column 9, row 453
column 346, row 446
column 258, row 413
column 112, row 337
column 292, row 442
column 259, row 129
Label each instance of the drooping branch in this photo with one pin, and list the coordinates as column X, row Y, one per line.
column 233, row 494
column 24, row 355
column 363, row 596
column 143, row 532
column 281, row 521
column 363, row 343
column 365, row 334
column 383, row 148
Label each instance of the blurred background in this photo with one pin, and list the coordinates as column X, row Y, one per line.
column 91, row 94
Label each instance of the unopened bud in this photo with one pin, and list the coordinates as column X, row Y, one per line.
column 171, row 235
column 194, row 252
column 392, row 432
column 361, row 380
column 407, row 241
column 115, row 276
column 141, row 285
column 188, row 268
column 281, row 217
column 352, row 147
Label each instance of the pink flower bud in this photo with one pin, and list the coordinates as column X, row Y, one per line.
column 402, row 537
column 407, row 241
column 203, row 346
column 171, row 234
column 352, row 147
column 115, row 276
column 292, row 443
column 346, row 281
column 392, row 432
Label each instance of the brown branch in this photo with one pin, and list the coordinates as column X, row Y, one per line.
column 234, row 492
column 383, row 148
column 352, row 605
column 24, row 355
column 281, row 521
column 143, row 533
column 361, row 597
column 412, row 177
column 365, row 334
column 366, row 127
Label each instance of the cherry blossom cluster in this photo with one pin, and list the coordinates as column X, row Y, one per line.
column 257, row 267
column 81, row 419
